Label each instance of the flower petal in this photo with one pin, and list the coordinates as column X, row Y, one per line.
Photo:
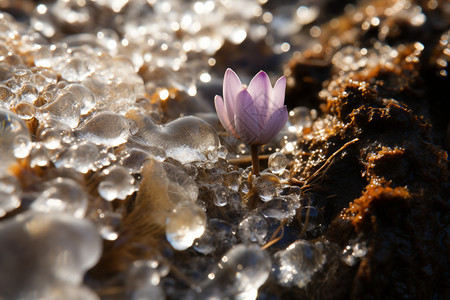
column 223, row 116
column 275, row 123
column 246, row 118
column 261, row 90
column 231, row 87
column 279, row 91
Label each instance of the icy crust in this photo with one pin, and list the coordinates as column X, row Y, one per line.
column 101, row 146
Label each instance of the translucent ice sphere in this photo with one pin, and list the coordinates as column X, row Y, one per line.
column 184, row 225
column 15, row 139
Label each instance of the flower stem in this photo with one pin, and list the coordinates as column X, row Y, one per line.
column 255, row 159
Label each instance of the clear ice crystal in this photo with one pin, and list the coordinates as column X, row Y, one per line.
column 253, row 229
column 277, row 162
column 296, row 265
column 117, row 183
column 106, row 128
column 186, row 139
column 64, row 108
column 58, row 249
column 9, row 194
column 81, row 157
column 85, row 98
column 239, row 274
column 184, row 225
column 15, row 139
column 182, row 189
column 142, row 281
column 279, row 208
column 266, row 186
column 62, row 195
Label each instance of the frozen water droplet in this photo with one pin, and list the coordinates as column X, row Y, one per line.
column 15, row 139
column 28, row 93
column 253, row 229
column 299, row 118
column 25, row 110
column 109, row 225
column 277, row 162
column 9, row 194
column 23, row 76
column 65, row 108
column 184, row 225
column 42, row 56
column 232, row 180
column 83, row 95
column 6, row 95
column 240, row 273
column 77, row 69
column 38, row 156
column 353, row 252
column 297, row 264
column 266, row 186
column 186, row 139
column 206, row 243
column 278, row 208
column 21, row 146
column 81, row 157
column 106, row 128
column 182, row 189
column 57, row 247
column 117, row 183
column 62, row 195
column 221, row 196
column 142, row 281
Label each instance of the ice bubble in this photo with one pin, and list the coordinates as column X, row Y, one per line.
column 142, row 281
column 221, row 195
column 6, row 96
column 106, row 128
column 15, row 139
column 253, row 229
column 9, row 194
column 184, row 225
column 52, row 133
column 23, row 76
column 296, row 265
column 83, row 95
column 81, row 157
column 40, row 252
column 28, row 93
column 109, row 224
column 62, row 195
column 277, row 162
column 64, row 108
column 353, row 252
column 239, row 274
column 42, row 56
column 232, row 179
column 186, row 139
column 117, row 183
column 25, row 110
column 266, row 186
column 134, row 160
column 278, row 208
column 300, row 117
column 206, row 243
column 77, row 69
column 182, row 189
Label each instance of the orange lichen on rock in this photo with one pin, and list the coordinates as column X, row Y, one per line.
column 375, row 195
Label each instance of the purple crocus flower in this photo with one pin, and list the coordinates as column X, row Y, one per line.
column 254, row 114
